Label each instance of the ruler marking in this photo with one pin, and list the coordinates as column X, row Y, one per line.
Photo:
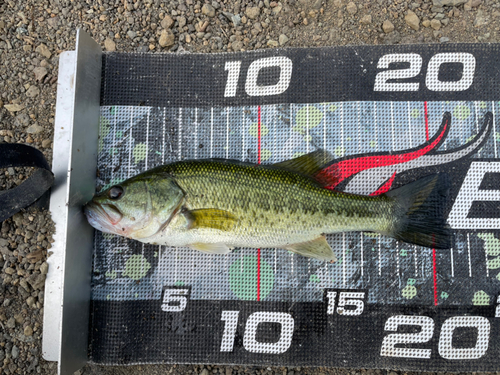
column 494, row 130
column 362, row 256
column 147, row 139
column 452, row 266
column 227, row 133
column 344, row 258
column 130, row 142
column 468, row 255
column 196, row 133
column 307, row 128
column 379, row 255
column 211, row 132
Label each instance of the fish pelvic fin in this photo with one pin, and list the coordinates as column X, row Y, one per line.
column 317, row 248
column 311, row 165
column 419, row 212
column 210, row 218
column 211, row 248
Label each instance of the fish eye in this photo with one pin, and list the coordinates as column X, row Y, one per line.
column 115, row 192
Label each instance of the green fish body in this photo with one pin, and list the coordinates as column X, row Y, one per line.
column 216, row 205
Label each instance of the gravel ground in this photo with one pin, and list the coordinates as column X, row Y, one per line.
column 32, row 35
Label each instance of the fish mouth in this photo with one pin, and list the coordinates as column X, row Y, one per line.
column 103, row 219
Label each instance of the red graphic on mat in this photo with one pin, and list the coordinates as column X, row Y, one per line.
column 374, row 173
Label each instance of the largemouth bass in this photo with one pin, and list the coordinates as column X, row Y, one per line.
column 215, row 205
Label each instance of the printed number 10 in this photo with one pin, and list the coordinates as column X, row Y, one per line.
column 251, row 87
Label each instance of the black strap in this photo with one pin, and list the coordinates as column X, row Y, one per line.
column 17, row 155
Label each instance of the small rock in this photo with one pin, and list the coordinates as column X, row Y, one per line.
column 30, row 301
column 14, row 107
column 215, row 4
column 412, row 20
column 44, row 268
column 426, row 23
column 40, row 72
column 392, row 38
column 33, row 92
column 131, row 34
column 237, row 45
column 46, row 143
column 277, row 8
column 272, row 43
column 474, row 3
column 444, row 39
column 167, row 38
column 436, row 24
column 388, row 27
column 204, row 372
column 252, row 12
column 366, row 20
column 445, row 21
column 28, row 331
column 351, row 8
column 283, row 39
column 43, row 50
column 9, row 271
column 15, row 352
column 182, row 21
column 208, row 10
column 22, row 119
column 11, row 323
column 53, row 22
column 34, row 129
column 480, row 19
column 167, row 22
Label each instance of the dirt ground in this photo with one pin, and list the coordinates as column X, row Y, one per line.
column 32, row 35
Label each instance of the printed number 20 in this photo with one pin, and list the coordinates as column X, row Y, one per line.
column 432, row 81
column 251, row 87
column 445, row 345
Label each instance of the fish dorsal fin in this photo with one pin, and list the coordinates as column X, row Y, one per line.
column 317, row 248
column 210, row 218
column 309, row 165
column 211, row 248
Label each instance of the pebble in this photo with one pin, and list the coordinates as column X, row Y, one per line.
column 272, row 43
column 28, row 331
column 131, row 34
column 412, row 20
column 167, row 22
column 34, row 129
column 33, row 92
column 15, row 352
column 480, row 19
column 208, row 10
column 283, row 39
column 351, row 8
column 167, row 38
column 435, row 24
column 366, row 20
column 43, row 50
column 444, row 39
column 40, row 72
column 426, row 23
column 11, row 323
column 110, row 45
column 387, row 26
column 252, row 12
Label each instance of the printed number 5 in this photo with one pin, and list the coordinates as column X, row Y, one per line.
column 174, row 300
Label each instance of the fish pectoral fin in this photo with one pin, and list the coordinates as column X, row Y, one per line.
column 311, row 165
column 210, row 218
column 212, row 248
column 317, row 248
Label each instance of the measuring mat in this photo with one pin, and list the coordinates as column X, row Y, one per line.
column 390, row 115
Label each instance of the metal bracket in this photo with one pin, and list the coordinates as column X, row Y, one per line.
column 67, row 287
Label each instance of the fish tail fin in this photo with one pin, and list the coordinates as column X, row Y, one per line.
column 419, row 213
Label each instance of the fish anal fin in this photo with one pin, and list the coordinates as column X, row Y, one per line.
column 211, row 248
column 210, row 218
column 310, row 165
column 317, row 248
